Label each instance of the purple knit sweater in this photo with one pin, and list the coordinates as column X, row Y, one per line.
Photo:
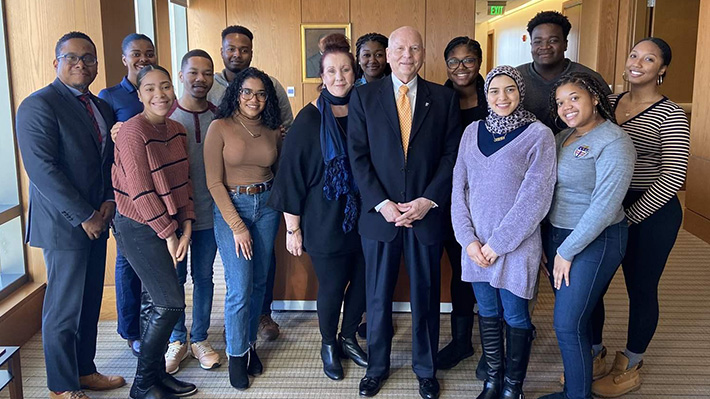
column 501, row 200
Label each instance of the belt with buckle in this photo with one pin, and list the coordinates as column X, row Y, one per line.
column 252, row 189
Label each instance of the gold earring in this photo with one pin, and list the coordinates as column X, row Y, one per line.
column 623, row 76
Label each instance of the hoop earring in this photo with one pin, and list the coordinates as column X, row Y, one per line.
column 660, row 80
column 623, row 76
column 595, row 110
column 557, row 125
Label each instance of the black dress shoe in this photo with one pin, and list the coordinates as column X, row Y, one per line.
column 254, row 366
column 429, row 388
column 370, row 386
column 351, row 349
column 332, row 367
column 176, row 387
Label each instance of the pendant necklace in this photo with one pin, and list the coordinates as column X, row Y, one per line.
column 247, row 129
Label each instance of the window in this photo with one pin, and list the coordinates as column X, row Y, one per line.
column 178, row 42
column 12, row 256
column 144, row 18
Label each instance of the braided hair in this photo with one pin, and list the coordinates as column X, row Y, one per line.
column 472, row 46
column 592, row 86
column 369, row 37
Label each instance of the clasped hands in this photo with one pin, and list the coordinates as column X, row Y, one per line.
column 483, row 256
column 98, row 223
column 404, row 214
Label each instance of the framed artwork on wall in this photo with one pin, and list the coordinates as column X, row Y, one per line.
column 311, row 47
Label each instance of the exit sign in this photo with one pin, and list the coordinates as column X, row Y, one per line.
column 496, row 10
column 496, row 7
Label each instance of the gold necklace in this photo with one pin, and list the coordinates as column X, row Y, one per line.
column 247, row 129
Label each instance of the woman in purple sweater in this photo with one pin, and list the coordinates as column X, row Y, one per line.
column 503, row 183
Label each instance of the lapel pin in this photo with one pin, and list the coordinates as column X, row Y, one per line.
column 426, row 104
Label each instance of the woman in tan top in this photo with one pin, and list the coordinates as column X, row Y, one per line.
column 241, row 149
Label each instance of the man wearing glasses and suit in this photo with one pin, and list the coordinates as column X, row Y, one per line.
column 62, row 131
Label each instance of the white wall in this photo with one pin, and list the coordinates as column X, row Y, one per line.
column 510, row 49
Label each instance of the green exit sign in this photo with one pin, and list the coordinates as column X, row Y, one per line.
column 496, row 10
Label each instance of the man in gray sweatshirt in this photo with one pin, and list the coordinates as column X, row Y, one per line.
column 237, row 52
column 548, row 42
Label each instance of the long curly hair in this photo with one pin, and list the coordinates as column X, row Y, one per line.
column 592, row 86
column 370, row 37
column 270, row 116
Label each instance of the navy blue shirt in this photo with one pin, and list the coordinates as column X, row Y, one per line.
column 123, row 99
column 486, row 144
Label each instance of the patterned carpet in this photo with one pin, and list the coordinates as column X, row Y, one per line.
column 677, row 364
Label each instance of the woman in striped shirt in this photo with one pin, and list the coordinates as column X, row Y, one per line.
column 153, row 222
column 661, row 135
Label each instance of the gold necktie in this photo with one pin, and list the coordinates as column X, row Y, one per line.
column 404, row 111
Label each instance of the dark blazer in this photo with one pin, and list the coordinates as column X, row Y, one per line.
column 69, row 174
column 377, row 157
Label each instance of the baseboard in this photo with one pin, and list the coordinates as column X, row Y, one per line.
column 311, row 306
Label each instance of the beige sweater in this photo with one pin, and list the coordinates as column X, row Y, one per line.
column 234, row 158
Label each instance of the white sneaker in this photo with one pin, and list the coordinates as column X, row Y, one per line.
column 205, row 354
column 177, row 352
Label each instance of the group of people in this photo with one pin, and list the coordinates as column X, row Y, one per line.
column 532, row 168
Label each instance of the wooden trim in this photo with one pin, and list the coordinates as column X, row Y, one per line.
column 21, row 314
column 571, row 3
column 10, row 213
column 697, row 225
column 183, row 3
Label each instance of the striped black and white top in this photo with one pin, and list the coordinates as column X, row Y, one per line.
column 661, row 135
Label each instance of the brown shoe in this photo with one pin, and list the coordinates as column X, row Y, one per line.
column 100, row 382
column 68, row 395
column 620, row 379
column 268, row 328
column 599, row 367
column 205, row 354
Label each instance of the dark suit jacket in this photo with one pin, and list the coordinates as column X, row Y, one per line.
column 377, row 157
column 69, row 174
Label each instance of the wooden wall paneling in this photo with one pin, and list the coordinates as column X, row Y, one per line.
column 309, row 93
column 326, row 12
column 22, row 317
column 277, row 44
column 677, row 23
column 444, row 21
column 118, row 19
column 376, row 16
column 161, row 20
column 608, row 26
column 697, row 219
column 625, row 34
column 589, row 33
column 205, row 21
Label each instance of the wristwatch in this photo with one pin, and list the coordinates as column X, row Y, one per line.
column 289, row 232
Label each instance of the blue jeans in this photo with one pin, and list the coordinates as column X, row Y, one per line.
column 503, row 304
column 203, row 250
column 269, row 293
column 592, row 270
column 246, row 279
column 128, row 299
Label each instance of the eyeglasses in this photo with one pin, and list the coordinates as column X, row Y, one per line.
column 73, row 59
column 453, row 63
column 248, row 94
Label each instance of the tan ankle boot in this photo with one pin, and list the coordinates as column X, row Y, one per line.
column 598, row 366
column 619, row 381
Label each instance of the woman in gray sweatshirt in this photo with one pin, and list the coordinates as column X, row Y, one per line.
column 586, row 236
column 502, row 188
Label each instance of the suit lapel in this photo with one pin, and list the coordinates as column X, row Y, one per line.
column 75, row 105
column 421, row 108
column 386, row 97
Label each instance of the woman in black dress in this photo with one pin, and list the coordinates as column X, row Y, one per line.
column 314, row 189
column 463, row 62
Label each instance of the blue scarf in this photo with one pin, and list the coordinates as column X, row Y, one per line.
column 338, row 176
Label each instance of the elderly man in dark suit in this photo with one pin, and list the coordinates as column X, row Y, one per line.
column 403, row 135
column 62, row 131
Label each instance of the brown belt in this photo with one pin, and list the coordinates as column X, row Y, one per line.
column 251, row 189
